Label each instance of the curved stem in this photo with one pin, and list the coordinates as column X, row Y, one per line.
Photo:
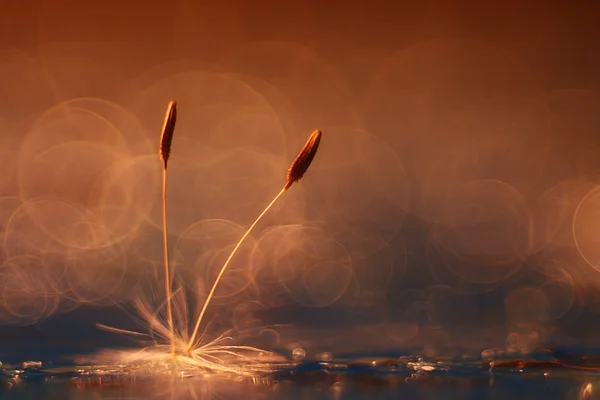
column 235, row 249
column 166, row 254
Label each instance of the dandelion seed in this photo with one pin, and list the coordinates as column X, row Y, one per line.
column 166, row 138
column 296, row 170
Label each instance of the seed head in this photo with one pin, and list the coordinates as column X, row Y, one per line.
column 298, row 168
column 167, row 132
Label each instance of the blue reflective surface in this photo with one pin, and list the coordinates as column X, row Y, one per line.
column 353, row 377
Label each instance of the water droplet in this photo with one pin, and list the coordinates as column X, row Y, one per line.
column 32, row 364
column 488, row 354
column 586, row 391
column 298, row 354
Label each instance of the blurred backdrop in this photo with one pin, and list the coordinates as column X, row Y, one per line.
column 454, row 202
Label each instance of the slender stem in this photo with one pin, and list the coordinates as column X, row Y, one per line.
column 237, row 246
column 166, row 253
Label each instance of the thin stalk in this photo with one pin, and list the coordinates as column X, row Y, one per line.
column 235, row 249
column 164, row 150
column 167, row 269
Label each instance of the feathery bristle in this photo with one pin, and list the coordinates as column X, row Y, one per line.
column 302, row 162
column 167, row 132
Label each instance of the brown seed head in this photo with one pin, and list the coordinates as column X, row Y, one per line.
column 167, row 132
column 302, row 162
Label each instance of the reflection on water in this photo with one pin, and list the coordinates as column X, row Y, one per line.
column 356, row 378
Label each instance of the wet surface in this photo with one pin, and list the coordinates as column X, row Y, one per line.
column 355, row 377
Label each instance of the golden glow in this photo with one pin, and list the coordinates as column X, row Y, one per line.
column 455, row 167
